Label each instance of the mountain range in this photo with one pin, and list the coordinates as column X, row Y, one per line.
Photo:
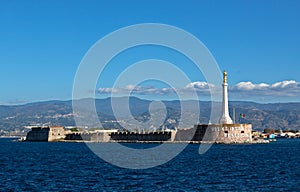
column 285, row 116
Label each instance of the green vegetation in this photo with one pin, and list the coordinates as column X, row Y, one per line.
column 74, row 130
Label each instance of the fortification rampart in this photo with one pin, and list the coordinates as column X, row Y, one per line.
column 143, row 136
column 46, row 133
column 225, row 133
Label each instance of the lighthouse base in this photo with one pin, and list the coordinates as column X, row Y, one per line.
column 216, row 133
column 226, row 120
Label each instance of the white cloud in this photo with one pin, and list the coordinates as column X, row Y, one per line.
column 290, row 85
column 244, row 90
column 138, row 90
column 287, row 88
column 250, row 86
column 197, row 85
column 286, row 84
column 107, row 90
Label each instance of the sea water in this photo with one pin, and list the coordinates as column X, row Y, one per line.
column 42, row 166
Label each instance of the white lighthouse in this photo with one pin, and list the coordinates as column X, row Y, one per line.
column 225, row 118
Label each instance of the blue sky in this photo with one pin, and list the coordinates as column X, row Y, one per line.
column 43, row 42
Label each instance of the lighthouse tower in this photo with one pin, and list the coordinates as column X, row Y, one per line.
column 225, row 118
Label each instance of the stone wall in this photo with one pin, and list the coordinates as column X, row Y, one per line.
column 48, row 133
column 73, row 136
column 99, row 136
column 38, row 134
column 56, row 133
column 233, row 133
column 226, row 133
column 196, row 133
column 146, row 136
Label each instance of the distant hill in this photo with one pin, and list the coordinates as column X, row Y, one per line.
column 261, row 116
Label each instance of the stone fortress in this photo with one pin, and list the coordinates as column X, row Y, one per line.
column 46, row 133
column 225, row 132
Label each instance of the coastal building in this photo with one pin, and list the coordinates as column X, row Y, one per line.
column 225, row 132
column 46, row 133
column 229, row 132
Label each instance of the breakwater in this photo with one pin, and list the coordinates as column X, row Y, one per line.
column 226, row 133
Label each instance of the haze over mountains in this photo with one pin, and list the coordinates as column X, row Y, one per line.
column 275, row 115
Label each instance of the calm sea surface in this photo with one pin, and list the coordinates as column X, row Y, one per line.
column 73, row 167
